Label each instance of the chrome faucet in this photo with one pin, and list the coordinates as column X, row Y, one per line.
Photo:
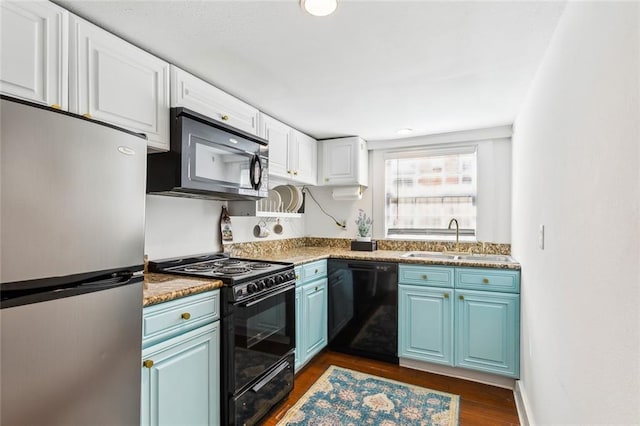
column 451, row 222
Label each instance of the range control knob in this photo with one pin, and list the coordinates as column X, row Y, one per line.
column 261, row 285
column 252, row 288
column 280, row 279
column 291, row 275
column 270, row 282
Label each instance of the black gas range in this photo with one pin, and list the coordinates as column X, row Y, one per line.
column 258, row 330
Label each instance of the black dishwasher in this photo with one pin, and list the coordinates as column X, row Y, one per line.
column 363, row 308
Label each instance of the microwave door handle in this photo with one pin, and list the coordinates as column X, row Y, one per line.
column 252, row 172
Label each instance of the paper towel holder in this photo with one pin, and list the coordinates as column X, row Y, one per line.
column 347, row 193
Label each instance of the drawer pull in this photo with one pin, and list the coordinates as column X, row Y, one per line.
column 148, row 363
column 485, row 281
column 461, row 297
column 446, row 295
column 185, row 316
column 295, row 173
column 424, row 276
column 224, row 117
column 316, row 271
column 86, row 115
column 56, row 106
column 316, row 288
column 297, row 276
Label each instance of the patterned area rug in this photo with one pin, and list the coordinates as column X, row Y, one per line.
column 350, row 398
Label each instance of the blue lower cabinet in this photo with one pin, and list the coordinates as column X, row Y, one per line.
column 425, row 324
column 311, row 311
column 488, row 331
column 314, row 317
column 180, row 379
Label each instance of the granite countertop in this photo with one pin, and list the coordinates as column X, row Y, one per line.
column 301, row 255
column 160, row 288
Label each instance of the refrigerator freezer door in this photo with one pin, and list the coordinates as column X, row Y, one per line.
column 73, row 361
column 73, row 194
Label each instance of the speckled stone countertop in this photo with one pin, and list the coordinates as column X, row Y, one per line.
column 160, row 288
column 300, row 255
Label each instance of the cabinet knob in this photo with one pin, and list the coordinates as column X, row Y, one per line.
column 424, row 276
column 186, row 316
column 446, row 295
column 147, row 363
column 485, row 281
column 461, row 297
column 295, row 173
column 297, row 276
column 56, row 106
column 87, row 115
column 224, row 117
column 288, row 172
column 316, row 288
column 316, row 271
column 326, row 179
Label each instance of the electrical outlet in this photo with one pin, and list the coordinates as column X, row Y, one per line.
column 541, row 237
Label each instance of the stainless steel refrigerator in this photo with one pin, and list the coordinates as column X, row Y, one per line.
column 71, row 243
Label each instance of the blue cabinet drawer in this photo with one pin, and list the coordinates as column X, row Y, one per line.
column 504, row 280
column 433, row 276
column 314, row 270
column 160, row 322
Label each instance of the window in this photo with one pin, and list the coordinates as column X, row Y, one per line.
column 424, row 190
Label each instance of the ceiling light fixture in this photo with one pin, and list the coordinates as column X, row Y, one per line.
column 405, row 131
column 319, row 7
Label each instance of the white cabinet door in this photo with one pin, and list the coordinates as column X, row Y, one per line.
column 116, row 82
column 279, row 136
column 304, row 157
column 344, row 162
column 190, row 92
column 34, row 56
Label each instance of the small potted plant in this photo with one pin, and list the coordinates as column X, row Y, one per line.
column 364, row 223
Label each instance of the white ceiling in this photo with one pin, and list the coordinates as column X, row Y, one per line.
column 369, row 69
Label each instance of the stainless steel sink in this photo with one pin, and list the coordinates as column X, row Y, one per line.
column 438, row 255
column 487, row 257
column 431, row 255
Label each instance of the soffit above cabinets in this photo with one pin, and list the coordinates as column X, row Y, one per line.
column 369, row 69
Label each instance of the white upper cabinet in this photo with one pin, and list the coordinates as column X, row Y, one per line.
column 292, row 154
column 112, row 80
column 190, row 92
column 33, row 46
column 279, row 136
column 304, row 158
column 344, row 161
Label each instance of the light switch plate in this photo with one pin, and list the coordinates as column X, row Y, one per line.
column 541, row 237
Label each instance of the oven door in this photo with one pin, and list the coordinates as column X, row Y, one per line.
column 264, row 333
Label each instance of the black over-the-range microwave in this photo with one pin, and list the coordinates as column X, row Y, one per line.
column 209, row 159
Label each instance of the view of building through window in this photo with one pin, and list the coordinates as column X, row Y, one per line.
column 424, row 191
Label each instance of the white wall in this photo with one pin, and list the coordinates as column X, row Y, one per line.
column 183, row 226
column 576, row 163
column 317, row 224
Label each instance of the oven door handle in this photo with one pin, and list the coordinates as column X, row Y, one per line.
column 262, row 299
column 256, row 388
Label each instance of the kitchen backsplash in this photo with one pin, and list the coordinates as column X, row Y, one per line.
column 258, row 248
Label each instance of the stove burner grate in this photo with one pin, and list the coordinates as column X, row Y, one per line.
column 206, row 267
column 259, row 265
column 228, row 262
column 232, row 270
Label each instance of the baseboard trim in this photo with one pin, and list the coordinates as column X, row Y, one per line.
column 524, row 413
column 460, row 373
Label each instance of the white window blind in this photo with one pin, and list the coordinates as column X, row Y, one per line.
column 424, row 190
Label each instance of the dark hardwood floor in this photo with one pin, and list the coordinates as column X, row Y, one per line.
column 479, row 404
